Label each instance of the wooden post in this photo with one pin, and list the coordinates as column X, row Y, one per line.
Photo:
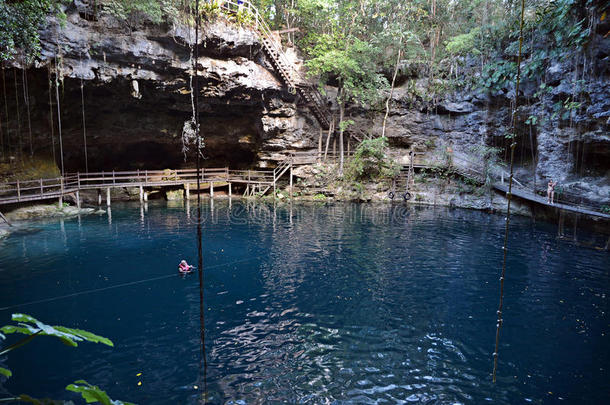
column 146, row 176
column 211, row 189
column 41, row 188
column 113, row 179
column 61, row 194
column 99, row 197
column 230, row 194
column 330, row 131
column 146, row 196
column 108, row 197
column 18, row 191
column 187, row 191
column 141, row 194
column 348, row 144
column 77, row 199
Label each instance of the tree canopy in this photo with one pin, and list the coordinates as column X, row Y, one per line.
column 354, row 43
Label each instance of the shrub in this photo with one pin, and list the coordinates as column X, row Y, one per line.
column 370, row 161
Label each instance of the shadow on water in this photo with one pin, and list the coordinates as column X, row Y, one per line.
column 310, row 303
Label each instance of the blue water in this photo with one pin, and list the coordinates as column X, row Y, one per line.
column 309, row 304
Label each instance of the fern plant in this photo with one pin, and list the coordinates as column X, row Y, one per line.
column 33, row 328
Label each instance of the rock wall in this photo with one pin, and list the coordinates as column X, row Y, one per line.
column 562, row 125
column 136, row 85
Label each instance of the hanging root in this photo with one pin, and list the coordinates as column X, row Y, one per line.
column 189, row 137
column 513, row 145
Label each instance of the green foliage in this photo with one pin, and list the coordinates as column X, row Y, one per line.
column 345, row 124
column 244, row 17
column 370, row 161
column 134, row 11
column 19, row 24
column 211, row 9
column 93, row 393
column 349, row 60
column 319, row 197
column 531, row 120
column 495, row 75
column 464, row 44
column 5, row 372
column 29, row 326
column 542, row 90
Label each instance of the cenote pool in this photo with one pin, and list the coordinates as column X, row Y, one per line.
column 309, row 304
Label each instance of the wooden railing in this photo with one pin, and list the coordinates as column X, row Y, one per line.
column 29, row 190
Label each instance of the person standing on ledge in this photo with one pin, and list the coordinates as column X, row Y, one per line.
column 550, row 191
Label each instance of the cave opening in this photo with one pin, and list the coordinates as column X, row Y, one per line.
column 123, row 132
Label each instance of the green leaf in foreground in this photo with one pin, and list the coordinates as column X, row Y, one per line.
column 29, row 325
column 93, row 393
column 5, row 372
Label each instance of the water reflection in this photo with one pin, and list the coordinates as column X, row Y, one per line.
column 314, row 303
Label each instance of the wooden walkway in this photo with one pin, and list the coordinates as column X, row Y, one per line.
column 499, row 181
column 530, row 196
column 257, row 182
column 45, row 189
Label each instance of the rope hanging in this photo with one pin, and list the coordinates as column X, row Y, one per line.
column 82, row 97
column 513, row 145
column 26, row 100
column 19, row 137
column 61, row 144
column 8, row 130
column 199, row 232
column 51, row 123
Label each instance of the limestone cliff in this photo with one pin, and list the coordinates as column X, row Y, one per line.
column 137, row 98
column 137, row 94
column 562, row 125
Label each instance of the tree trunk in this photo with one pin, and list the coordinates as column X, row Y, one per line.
column 331, row 129
column 387, row 103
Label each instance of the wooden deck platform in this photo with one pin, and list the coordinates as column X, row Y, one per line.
column 257, row 182
column 529, row 196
